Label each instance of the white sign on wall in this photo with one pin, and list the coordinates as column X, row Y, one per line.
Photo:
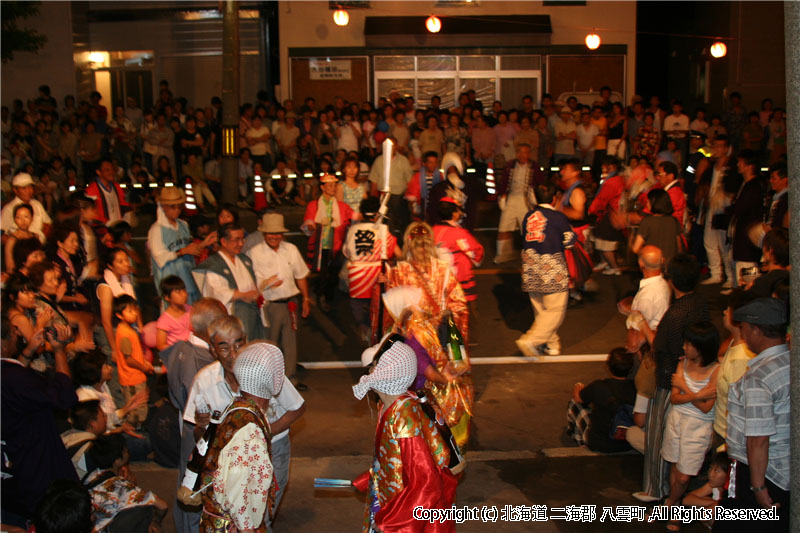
column 329, row 69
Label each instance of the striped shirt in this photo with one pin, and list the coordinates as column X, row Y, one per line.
column 758, row 406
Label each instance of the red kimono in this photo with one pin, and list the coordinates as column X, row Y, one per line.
column 465, row 250
column 409, row 469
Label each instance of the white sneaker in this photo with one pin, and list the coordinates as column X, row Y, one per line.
column 612, row 272
column 601, row 266
column 713, row 280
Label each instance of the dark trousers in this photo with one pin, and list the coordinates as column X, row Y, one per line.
column 330, row 264
column 746, row 499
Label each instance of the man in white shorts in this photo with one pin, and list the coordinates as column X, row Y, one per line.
column 515, row 198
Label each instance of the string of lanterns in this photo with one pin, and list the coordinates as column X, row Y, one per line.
column 434, row 25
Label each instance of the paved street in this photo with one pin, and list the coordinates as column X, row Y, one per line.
column 518, row 453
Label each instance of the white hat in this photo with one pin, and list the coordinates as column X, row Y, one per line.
column 394, row 373
column 259, row 370
column 23, row 179
column 272, row 223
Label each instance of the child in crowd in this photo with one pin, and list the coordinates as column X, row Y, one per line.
column 112, row 488
column 711, row 492
column 688, row 431
column 129, row 355
column 201, row 226
column 592, row 411
column 173, row 324
column 121, row 235
column 88, row 422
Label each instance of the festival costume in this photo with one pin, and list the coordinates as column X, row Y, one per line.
column 579, row 263
column 408, row 470
column 95, row 191
column 441, row 292
column 364, row 249
column 466, row 251
column 165, row 240
column 226, row 504
column 339, row 218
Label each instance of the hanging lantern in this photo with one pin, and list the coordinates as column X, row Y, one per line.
column 434, row 24
column 592, row 41
column 341, row 17
column 718, row 49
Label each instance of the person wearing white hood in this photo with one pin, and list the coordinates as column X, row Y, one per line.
column 170, row 242
column 410, row 463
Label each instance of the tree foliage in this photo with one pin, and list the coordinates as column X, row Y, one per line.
column 15, row 36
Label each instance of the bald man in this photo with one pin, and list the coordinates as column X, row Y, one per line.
column 652, row 298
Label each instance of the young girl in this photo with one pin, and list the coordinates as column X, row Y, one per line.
column 173, row 324
column 688, row 431
column 23, row 216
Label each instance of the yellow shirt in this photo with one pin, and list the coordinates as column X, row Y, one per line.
column 734, row 365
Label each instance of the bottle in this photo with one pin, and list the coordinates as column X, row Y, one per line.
column 455, row 343
column 191, row 479
column 457, row 462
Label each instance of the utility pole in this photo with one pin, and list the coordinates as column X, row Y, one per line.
column 230, row 101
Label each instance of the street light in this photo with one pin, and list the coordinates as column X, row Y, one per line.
column 433, row 24
column 592, row 41
column 341, row 17
column 718, row 49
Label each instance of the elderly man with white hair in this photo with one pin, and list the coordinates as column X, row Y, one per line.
column 238, row 472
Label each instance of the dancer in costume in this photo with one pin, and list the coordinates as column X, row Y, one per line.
column 441, row 294
column 409, row 468
column 238, row 470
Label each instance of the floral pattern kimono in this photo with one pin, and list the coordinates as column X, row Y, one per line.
column 441, row 292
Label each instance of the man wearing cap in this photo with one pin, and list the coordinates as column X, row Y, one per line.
column 366, row 246
column 409, row 468
column 281, row 274
column 327, row 220
column 172, row 249
column 240, row 455
column 515, row 191
column 23, row 194
column 107, row 194
column 758, row 420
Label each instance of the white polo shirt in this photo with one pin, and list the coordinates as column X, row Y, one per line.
column 210, row 388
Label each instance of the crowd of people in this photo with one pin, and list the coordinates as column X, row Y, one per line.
column 88, row 383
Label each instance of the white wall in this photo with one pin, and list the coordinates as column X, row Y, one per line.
column 310, row 24
column 52, row 66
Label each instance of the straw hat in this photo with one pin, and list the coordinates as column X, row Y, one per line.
column 272, row 223
column 171, row 196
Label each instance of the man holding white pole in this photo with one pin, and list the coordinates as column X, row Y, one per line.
column 399, row 173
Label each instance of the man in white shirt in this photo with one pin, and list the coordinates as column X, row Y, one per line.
column 281, row 274
column 653, row 297
column 23, row 194
column 228, row 276
column 216, row 386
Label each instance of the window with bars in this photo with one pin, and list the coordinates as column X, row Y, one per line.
column 493, row 77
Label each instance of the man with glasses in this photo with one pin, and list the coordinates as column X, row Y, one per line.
column 667, row 176
column 229, row 277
